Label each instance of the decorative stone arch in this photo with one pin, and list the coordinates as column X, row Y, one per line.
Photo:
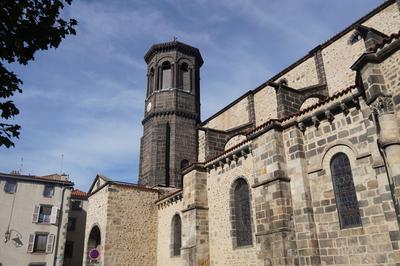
column 309, row 102
column 94, row 240
column 241, row 213
column 185, row 60
column 176, row 235
column 234, row 140
column 168, row 58
column 344, row 146
column 342, row 178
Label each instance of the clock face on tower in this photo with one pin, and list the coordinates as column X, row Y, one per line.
column 148, row 108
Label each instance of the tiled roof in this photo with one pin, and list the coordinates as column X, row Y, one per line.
column 314, row 106
column 173, row 193
column 76, row 193
column 54, row 177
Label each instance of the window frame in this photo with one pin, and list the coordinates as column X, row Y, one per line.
column 44, row 219
column 42, row 234
column 10, row 182
column 235, row 222
column 341, row 208
column 52, row 191
column 166, row 69
column 176, row 247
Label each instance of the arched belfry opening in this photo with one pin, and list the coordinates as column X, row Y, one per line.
column 184, row 77
column 150, row 82
column 173, row 99
column 166, row 75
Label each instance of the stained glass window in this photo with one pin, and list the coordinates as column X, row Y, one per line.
column 345, row 193
column 242, row 213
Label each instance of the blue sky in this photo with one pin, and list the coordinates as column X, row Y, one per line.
column 85, row 100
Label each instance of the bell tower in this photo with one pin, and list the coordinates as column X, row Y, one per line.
column 172, row 113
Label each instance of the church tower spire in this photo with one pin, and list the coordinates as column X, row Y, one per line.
column 172, row 112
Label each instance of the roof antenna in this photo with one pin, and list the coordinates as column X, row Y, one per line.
column 21, row 167
column 62, row 163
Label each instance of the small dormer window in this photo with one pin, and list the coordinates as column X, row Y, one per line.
column 48, row 191
column 10, row 187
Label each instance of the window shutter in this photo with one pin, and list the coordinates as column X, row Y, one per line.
column 35, row 217
column 54, row 215
column 50, row 243
column 31, row 242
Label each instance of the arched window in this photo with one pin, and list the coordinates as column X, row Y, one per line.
column 176, row 235
column 184, row 81
column 345, row 193
column 150, row 82
column 242, row 213
column 166, row 75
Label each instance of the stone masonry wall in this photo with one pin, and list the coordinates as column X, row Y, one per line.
column 338, row 58
column 375, row 241
column 302, row 75
column 164, row 239
column 97, row 216
column 235, row 116
column 195, row 230
column 219, row 183
column 264, row 104
column 272, row 198
column 386, row 21
column 131, row 227
column 292, row 198
column 201, row 146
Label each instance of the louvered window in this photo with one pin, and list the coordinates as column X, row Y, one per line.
column 166, row 81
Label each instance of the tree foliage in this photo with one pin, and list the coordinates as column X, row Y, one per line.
column 26, row 26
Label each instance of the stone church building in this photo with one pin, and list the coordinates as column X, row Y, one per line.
column 302, row 170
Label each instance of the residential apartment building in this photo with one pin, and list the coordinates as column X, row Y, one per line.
column 33, row 219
